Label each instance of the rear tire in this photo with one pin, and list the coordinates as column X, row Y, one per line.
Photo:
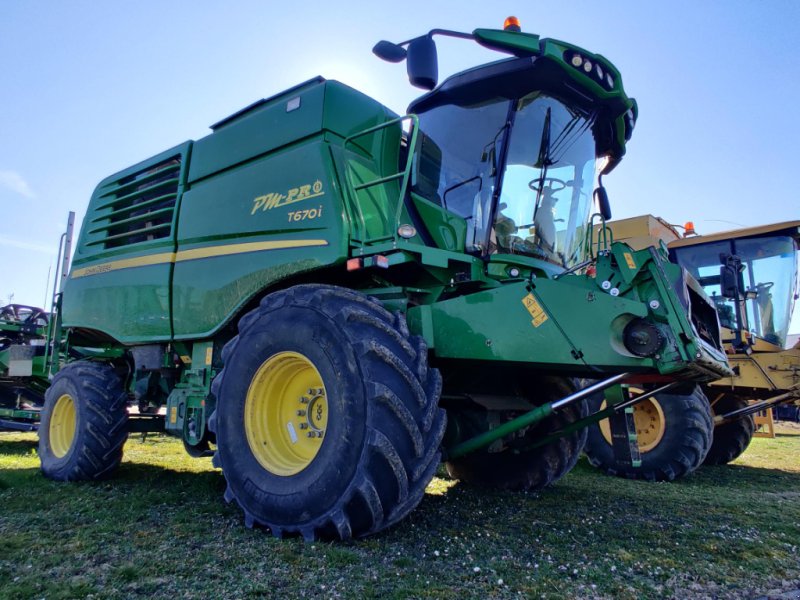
column 84, row 423
column 370, row 415
column 683, row 440
column 730, row 439
column 526, row 470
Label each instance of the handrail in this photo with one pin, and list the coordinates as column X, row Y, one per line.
column 54, row 322
column 405, row 174
column 604, row 231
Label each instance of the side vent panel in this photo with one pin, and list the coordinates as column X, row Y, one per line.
column 138, row 207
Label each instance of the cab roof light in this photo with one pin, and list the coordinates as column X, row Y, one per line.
column 592, row 69
column 512, row 24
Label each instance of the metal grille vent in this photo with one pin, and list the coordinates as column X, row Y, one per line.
column 140, row 207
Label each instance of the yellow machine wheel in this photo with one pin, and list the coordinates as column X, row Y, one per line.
column 674, row 432
column 84, row 423
column 62, row 425
column 650, row 423
column 327, row 421
column 286, row 413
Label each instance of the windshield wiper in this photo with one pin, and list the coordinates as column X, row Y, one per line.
column 543, row 161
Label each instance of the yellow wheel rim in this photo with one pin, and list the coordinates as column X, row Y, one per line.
column 648, row 418
column 286, row 413
column 62, row 425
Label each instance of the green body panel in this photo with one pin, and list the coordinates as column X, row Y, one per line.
column 242, row 202
column 496, row 325
column 120, row 278
column 449, row 231
column 571, row 324
column 129, row 305
column 259, row 129
column 261, row 199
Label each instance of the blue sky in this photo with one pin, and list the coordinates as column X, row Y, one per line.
column 88, row 88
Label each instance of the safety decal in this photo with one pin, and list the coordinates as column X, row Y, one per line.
column 536, row 310
column 629, row 259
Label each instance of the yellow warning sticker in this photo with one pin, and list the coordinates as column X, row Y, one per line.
column 209, row 354
column 536, row 310
column 630, row 261
column 173, row 415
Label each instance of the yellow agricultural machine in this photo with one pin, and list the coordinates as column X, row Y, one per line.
column 751, row 274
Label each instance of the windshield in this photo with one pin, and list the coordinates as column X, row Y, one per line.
column 520, row 172
column 548, row 182
column 767, row 282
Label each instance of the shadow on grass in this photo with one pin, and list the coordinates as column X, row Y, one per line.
column 151, row 480
column 17, row 447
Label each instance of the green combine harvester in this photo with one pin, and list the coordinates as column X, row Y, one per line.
column 332, row 299
column 23, row 330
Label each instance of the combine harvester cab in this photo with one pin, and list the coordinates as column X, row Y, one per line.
column 751, row 275
column 329, row 298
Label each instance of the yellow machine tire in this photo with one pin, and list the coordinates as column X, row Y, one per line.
column 84, row 423
column 730, row 439
column 518, row 469
column 680, row 448
column 381, row 431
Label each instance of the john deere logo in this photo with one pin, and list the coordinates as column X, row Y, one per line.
column 296, row 194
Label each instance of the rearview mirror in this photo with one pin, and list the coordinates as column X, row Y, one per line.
column 728, row 282
column 729, row 275
column 422, row 63
column 389, row 52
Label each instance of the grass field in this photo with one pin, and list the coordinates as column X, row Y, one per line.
column 159, row 528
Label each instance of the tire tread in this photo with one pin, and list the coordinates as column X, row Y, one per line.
column 405, row 425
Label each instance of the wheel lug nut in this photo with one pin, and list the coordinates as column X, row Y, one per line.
column 304, row 400
column 310, row 434
column 303, row 425
column 319, row 434
column 301, row 413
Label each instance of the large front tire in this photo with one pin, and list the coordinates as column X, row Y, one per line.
column 327, row 417
column 674, row 431
column 518, row 469
column 84, row 423
column 730, row 439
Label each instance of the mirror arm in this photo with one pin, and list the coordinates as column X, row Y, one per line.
column 445, row 32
